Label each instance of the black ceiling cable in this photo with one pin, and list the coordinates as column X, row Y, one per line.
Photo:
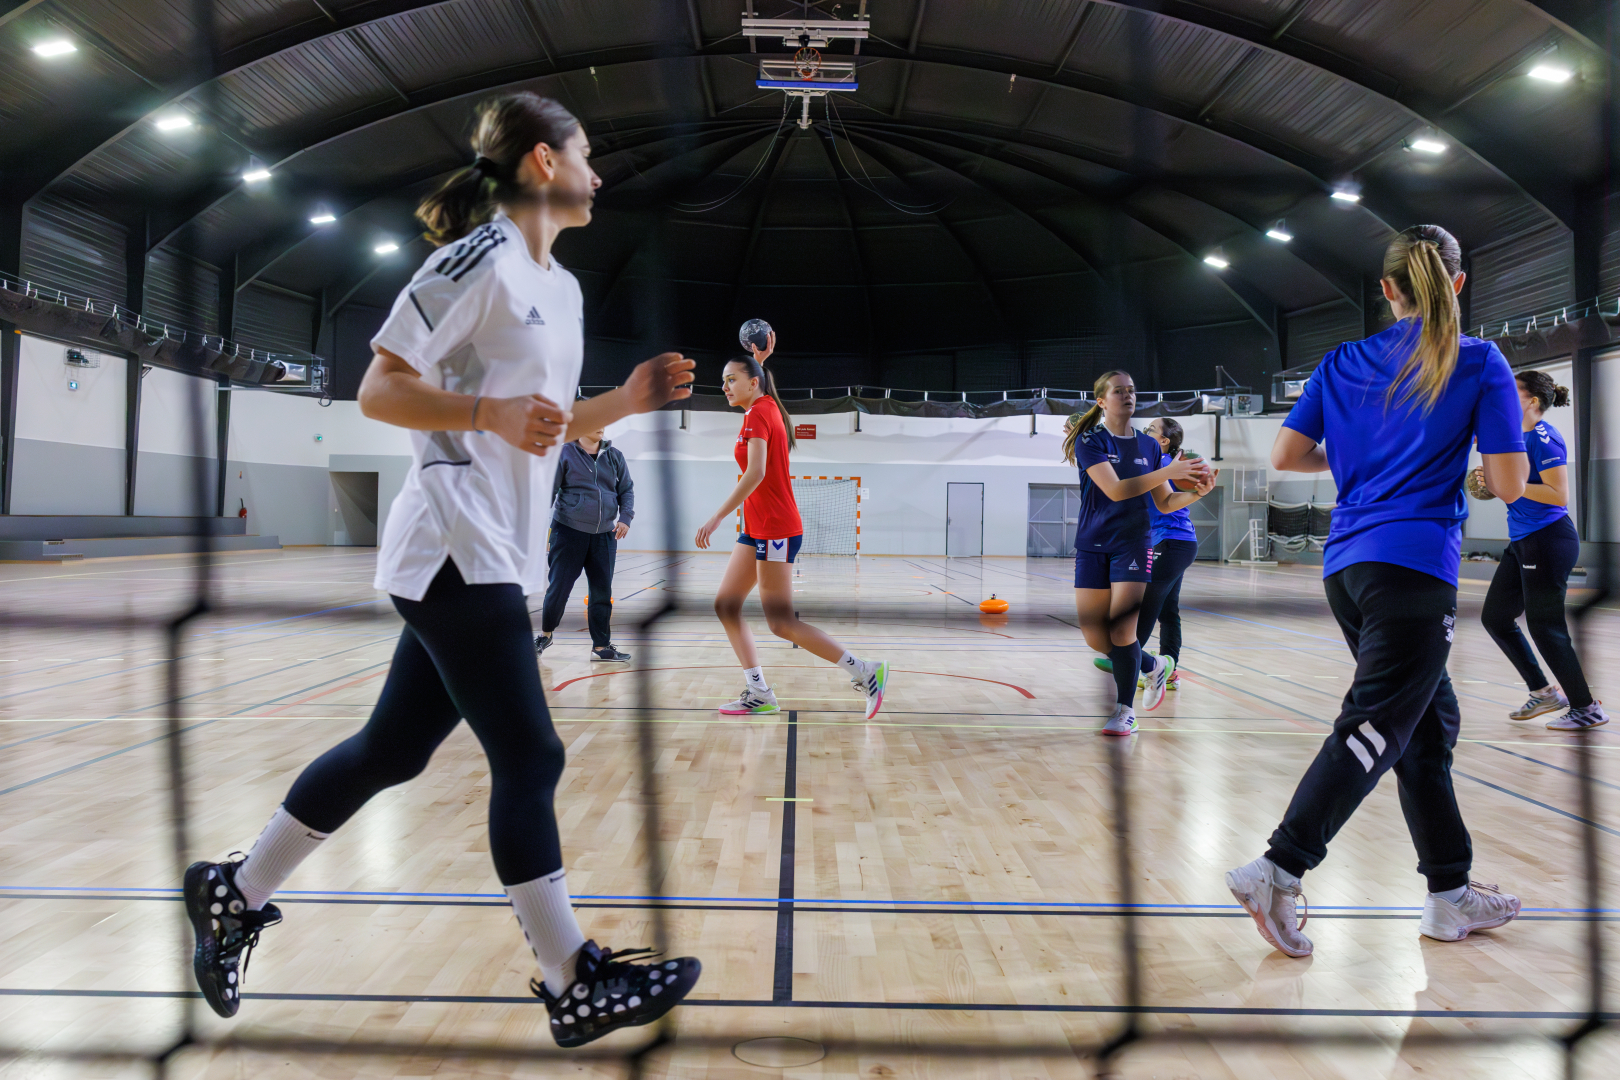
column 703, row 208
column 870, row 185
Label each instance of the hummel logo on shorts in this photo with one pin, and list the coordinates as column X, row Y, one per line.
column 534, row 318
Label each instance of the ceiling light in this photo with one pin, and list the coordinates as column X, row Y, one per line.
column 174, row 122
column 1214, row 259
column 254, row 176
column 323, row 218
column 387, row 247
column 1279, row 231
column 1345, row 196
column 1544, row 72
column 61, row 47
column 1428, row 146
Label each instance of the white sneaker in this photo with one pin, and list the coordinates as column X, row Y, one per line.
column 1153, row 693
column 1576, row 719
column 751, row 702
column 872, row 680
column 1549, row 699
column 1271, row 905
column 1482, row 907
column 1122, row 722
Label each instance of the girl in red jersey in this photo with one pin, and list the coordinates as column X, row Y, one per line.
column 769, row 543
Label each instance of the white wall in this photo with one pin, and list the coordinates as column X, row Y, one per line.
column 70, row 443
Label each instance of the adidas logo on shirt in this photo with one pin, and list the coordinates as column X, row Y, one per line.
column 534, row 318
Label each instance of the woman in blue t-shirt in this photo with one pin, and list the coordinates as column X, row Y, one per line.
column 1393, row 416
column 1534, row 573
column 1120, row 477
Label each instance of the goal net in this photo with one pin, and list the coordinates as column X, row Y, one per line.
column 830, row 507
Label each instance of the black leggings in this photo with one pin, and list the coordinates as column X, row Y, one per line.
column 1400, row 714
column 1531, row 581
column 1161, row 601
column 467, row 651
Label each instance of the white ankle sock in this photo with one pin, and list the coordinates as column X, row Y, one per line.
column 756, row 680
column 1281, row 876
column 850, row 663
column 284, row 844
column 547, row 918
column 1453, row 895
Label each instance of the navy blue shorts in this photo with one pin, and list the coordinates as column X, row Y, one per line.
column 1100, row 569
column 773, row 550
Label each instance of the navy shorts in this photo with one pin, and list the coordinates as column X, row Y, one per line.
column 773, row 550
column 1100, row 569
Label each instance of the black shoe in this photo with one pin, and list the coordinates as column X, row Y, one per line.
column 609, row 993
column 610, row 652
column 226, row 931
column 542, row 642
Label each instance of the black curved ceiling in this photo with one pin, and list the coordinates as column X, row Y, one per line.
column 1012, row 181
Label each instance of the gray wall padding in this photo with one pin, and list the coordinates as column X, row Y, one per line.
column 65, row 478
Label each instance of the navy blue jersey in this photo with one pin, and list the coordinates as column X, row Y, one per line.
column 1546, row 449
column 1106, row 525
column 1400, row 469
column 1177, row 524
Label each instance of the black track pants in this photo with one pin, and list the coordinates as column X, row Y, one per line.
column 1531, row 580
column 571, row 551
column 467, row 651
column 1400, row 714
column 1161, row 600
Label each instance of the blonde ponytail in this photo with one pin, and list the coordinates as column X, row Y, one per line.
column 1421, row 263
column 1091, row 417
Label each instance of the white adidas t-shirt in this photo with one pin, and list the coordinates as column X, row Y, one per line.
column 480, row 317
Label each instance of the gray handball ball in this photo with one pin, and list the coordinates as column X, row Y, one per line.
column 755, row 332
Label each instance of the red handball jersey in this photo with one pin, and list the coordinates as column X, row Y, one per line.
column 770, row 513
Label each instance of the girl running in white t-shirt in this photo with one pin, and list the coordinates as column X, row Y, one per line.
column 478, row 353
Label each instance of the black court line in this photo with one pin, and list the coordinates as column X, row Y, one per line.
column 922, row 908
column 929, row 1006
column 782, row 982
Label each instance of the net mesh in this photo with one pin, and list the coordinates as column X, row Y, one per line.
column 830, row 509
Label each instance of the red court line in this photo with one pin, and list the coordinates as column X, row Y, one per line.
column 778, row 667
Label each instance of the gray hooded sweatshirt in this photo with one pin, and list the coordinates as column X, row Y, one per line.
column 592, row 494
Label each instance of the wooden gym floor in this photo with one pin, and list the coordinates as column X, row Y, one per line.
column 951, row 865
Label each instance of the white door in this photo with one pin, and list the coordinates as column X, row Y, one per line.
column 964, row 519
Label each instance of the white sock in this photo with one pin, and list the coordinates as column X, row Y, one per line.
column 1453, row 895
column 1281, row 876
column 284, row 844
column 547, row 918
column 756, row 680
column 850, row 663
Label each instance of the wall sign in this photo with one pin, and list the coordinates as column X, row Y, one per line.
column 804, row 431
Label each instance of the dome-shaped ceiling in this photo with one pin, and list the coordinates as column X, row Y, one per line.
column 1019, row 193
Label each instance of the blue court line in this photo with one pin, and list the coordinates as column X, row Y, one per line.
column 92, row 761
column 295, row 618
column 773, row 900
column 48, row 734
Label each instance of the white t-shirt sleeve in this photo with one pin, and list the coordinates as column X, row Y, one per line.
column 434, row 316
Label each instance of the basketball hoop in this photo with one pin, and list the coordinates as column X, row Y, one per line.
column 806, row 62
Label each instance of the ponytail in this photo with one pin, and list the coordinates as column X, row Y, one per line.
column 1091, row 417
column 767, row 386
column 1421, row 263
column 1540, row 385
column 509, row 127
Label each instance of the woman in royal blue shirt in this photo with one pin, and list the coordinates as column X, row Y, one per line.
column 1534, row 572
column 1393, row 417
column 1120, row 477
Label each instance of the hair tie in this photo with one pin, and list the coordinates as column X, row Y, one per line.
column 485, row 165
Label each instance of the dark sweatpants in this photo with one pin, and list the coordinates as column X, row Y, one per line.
column 1161, row 600
column 467, row 651
column 1400, row 714
column 571, row 551
column 1531, row 580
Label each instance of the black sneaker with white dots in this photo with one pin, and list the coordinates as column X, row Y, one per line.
column 226, row 930
column 609, row 993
